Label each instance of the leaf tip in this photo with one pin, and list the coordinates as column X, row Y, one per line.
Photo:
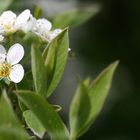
column 114, row 65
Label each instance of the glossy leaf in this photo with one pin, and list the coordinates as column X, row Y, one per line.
column 10, row 129
column 45, row 114
column 34, row 124
column 38, row 71
column 73, row 18
column 55, row 56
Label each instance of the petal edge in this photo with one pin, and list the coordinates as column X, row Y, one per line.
column 15, row 54
column 16, row 73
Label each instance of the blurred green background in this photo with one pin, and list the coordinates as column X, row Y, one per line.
column 112, row 34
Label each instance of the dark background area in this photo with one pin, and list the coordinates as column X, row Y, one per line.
column 112, row 34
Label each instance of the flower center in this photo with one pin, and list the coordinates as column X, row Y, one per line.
column 5, row 69
column 8, row 28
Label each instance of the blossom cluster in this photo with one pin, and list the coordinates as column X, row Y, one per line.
column 10, row 23
column 10, row 69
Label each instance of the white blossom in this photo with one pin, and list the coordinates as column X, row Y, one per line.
column 25, row 21
column 9, row 67
column 53, row 34
column 10, row 23
column 7, row 20
column 42, row 28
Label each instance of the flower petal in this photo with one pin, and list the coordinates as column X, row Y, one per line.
column 23, row 17
column 2, row 54
column 43, row 24
column 15, row 54
column 7, row 20
column 28, row 25
column 53, row 34
column 2, row 50
column 7, row 17
column 16, row 73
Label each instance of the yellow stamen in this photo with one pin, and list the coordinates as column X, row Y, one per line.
column 9, row 28
column 5, row 69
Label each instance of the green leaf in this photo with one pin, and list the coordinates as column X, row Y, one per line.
column 22, row 106
column 97, row 93
column 37, row 11
column 32, row 138
column 99, row 90
column 4, row 5
column 73, row 18
column 34, row 124
column 55, row 56
column 79, row 110
column 24, row 84
column 30, row 37
column 45, row 114
column 10, row 129
column 38, row 71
